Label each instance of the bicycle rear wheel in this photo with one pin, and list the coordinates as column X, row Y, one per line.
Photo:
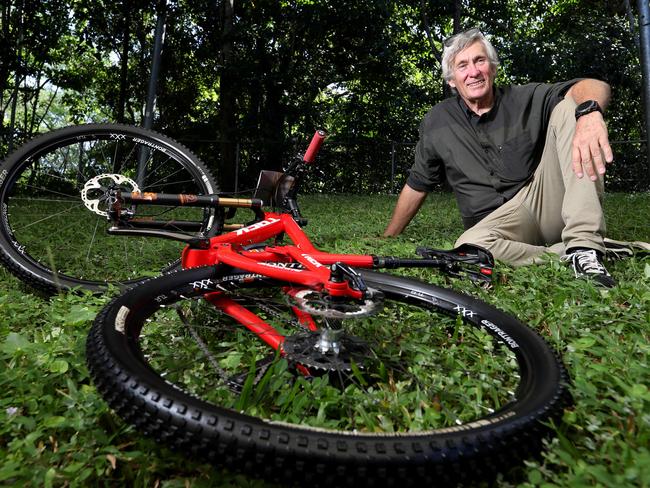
column 52, row 239
column 434, row 388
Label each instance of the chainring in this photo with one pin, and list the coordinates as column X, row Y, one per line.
column 324, row 305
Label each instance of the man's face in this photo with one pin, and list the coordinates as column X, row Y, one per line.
column 473, row 75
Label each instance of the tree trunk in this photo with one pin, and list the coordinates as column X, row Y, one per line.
column 437, row 55
column 5, row 19
column 17, row 80
column 227, row 119
column 272, row 128
column 124, row 66
column 458, row 11
column 271, row 121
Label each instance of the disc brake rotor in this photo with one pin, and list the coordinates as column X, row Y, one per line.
column 95, row 192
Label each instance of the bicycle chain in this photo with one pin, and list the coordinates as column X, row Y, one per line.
column 206, row 351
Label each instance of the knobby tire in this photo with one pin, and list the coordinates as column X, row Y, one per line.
column 146, row 364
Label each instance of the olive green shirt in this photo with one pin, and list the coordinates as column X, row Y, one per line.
column 486, row 159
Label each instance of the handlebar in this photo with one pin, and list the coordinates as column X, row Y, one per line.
column 314, row 146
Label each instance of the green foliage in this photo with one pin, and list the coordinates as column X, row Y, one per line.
column 269, row 72
column 55, row 430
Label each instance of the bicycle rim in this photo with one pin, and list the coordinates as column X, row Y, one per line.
column 434, row 380
column 53, row 240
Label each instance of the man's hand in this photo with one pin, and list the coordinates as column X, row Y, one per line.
column 590, row 145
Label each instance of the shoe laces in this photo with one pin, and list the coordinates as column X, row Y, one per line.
column 589, row 262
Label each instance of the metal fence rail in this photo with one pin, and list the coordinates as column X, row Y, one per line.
column 380, row 166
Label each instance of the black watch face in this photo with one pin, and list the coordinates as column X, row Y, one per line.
column 587, row 107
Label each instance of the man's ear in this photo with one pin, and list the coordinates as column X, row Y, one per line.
column 452, row 83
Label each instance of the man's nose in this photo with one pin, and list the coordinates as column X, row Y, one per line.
column 473, row 70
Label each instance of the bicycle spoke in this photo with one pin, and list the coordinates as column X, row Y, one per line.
column 202, row 345
column 158, row 183
column 161, row 186
column 92, row 240
column 44, row 219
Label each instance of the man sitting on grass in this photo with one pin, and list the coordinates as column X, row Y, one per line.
column 526, row 163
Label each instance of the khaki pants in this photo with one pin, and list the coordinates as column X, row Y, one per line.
column 555, row 211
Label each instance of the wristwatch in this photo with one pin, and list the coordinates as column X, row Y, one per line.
column 587, row 107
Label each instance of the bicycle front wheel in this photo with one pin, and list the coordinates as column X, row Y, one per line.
column 434, row 387
column 53, row 216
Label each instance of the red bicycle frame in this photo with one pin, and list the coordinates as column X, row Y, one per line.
column 298, row 263
column 231, row 249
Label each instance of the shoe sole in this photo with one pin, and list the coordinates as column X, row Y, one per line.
column 613, row 245
column 625, row 249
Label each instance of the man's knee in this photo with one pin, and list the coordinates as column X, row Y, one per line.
column 565, row 112
column 478, row 236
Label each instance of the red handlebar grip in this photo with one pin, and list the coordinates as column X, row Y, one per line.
column 314, row 146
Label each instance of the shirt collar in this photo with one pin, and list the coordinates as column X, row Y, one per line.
column 470, row 113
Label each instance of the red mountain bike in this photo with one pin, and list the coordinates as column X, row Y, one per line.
column 272, row 357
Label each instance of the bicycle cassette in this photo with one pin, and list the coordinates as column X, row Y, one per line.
column 306, row 349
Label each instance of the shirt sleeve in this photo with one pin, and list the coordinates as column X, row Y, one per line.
column 555, row 94
column 427, row 171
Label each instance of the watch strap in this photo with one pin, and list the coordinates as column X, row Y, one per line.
column 587, row 107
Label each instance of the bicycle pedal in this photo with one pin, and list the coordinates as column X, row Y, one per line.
column 466, row 253
column 467, row 260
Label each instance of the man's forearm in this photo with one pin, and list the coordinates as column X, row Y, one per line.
column 408, row 204
column 590, row 89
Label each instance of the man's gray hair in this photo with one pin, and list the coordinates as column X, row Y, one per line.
column 456, row 43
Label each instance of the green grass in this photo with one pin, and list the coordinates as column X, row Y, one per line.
column 78, row 245
column 55, row 430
